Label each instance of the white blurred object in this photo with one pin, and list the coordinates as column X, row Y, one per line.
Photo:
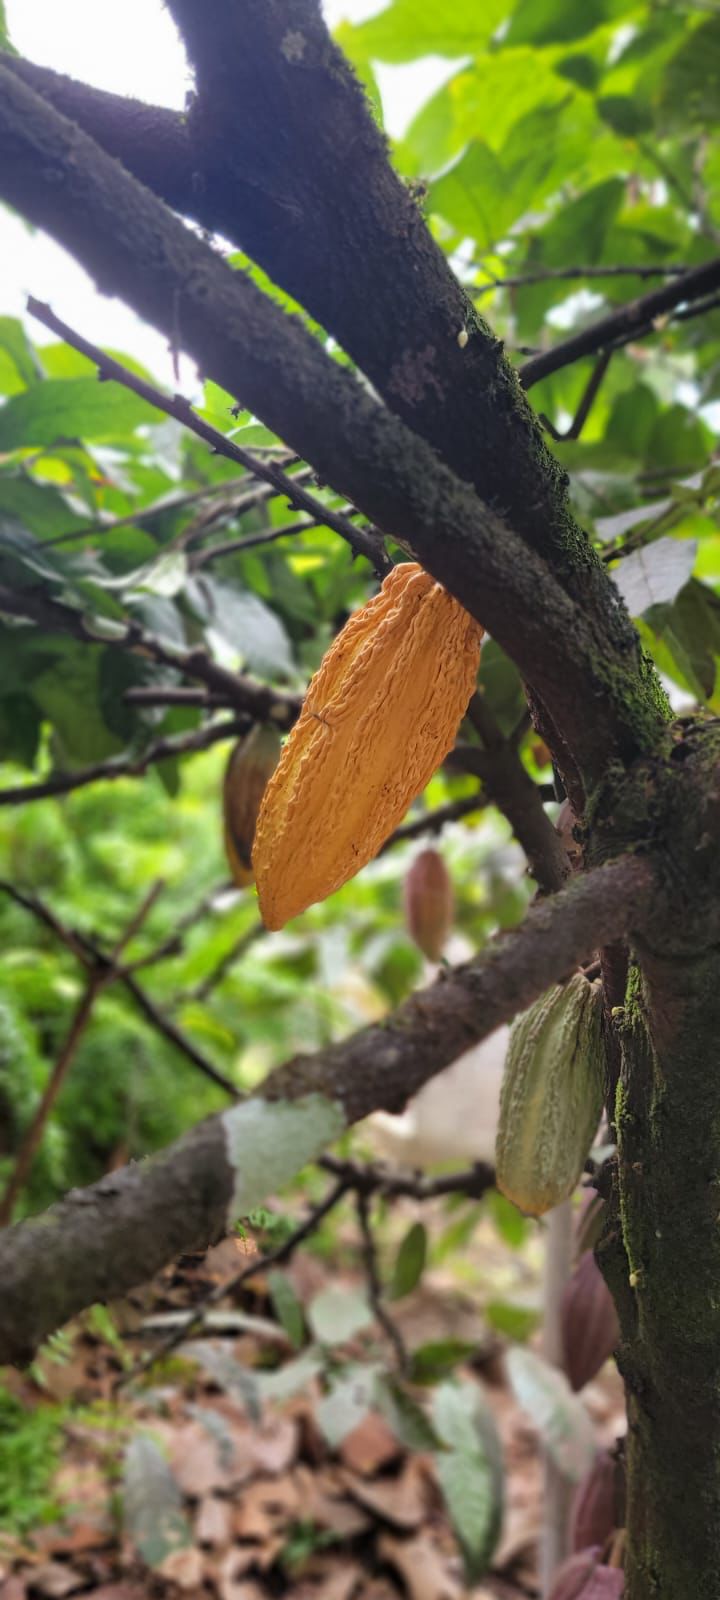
column 454, row 1118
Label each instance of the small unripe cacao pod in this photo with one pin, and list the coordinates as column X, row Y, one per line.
column 429, row 903
column 251, row 763
column 584, row 1577
column 589, row 1323
column 598, row 1506
column 551, row 1097
column 379, row 716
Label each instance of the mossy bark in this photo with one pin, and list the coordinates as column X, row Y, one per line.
column 663, row 1262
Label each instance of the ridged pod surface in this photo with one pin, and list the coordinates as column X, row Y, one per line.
column 429, row 903
column 551, row 1097
column 379, row 716
column 251, row 763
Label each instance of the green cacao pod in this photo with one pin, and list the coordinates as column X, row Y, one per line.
column 551, row 1097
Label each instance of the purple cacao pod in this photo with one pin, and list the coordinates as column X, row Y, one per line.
column 583, row 1577
column 598, row 1504
column 590, row 1329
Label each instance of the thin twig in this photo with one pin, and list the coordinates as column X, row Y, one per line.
column 586, row 402
column 97, row 979
column 272, row 1258
column 164, row 749
column 434, row 821
column 204, row 988
column 373, row 1177
column 372, row 1274
column 92, row 957
column 549, row 274
column 362, row 543
column 262, row 702
column 630, row 321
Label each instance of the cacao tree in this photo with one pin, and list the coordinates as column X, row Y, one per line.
column 368, row 323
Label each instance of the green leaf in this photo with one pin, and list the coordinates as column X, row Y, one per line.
column 19, row 729
column 287, row 1307
column 71, row 408
column 655, row 574
column 406, row 30
column 347, row 1403
column 632, row 419
column 247, row 624
column 691, row 88
column 405, row 1417
column 38, row 506
column 438, row 1357
column 14, row 341
column 512, row 1226
column 557, row 21
column 336, row 1315
column 559, row 1416
column 679, row 442
column 470, row 1472
column 409, row 1262
column 690, row 630
column 512, row 1319
column 68, row 694
column 153, row 1513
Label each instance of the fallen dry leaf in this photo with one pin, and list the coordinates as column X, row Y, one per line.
column 213, row 1522
column 184, row 1567
column 403, row 1501
column 422, row 1567
column 55, row 1579
column 370, row 1446
column 264, row 1507
column 325, row 1502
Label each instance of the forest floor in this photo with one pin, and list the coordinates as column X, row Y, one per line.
column 233, row 1468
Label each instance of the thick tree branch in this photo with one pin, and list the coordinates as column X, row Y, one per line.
column 100, row 1241
column 134, row 247
column 636, row 317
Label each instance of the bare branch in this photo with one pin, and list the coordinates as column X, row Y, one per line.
column 372, row 1274
column 165, row 749
column 100, row 1241
column 628, row 322
column 552, row 274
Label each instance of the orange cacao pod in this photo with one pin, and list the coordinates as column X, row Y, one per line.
column 379, row 716
column 251, row 763
column 429, row 903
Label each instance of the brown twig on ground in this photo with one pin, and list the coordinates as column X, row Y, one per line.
column 362, row 542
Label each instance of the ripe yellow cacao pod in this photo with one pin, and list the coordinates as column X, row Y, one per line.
column 252, row 762
column 551, row 1097
column 379, row 716
column 429, row 903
